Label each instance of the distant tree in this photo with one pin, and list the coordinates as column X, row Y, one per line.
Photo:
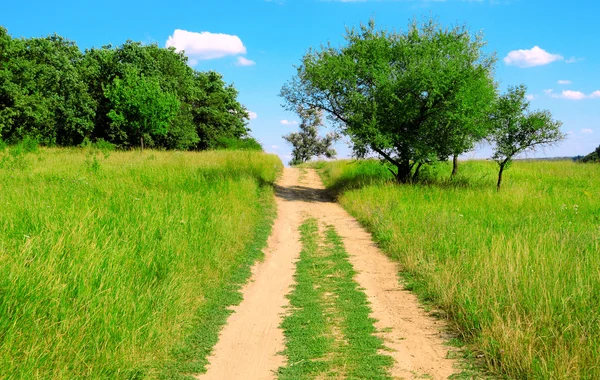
column 140, row 108
column 592, row 157
column 517, row 130
column 307, row 143
column 410, row 97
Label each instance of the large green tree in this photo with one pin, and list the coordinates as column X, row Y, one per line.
column 517, row 130
column 140, row 109
column 409, row 97
column 216, row 111
column 42, row 93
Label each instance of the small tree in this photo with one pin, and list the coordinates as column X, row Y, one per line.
column 307, row 143
column 517, row 130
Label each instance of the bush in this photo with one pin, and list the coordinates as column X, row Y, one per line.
column 232, row 143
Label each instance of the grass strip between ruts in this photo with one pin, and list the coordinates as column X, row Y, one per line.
column 329, row 333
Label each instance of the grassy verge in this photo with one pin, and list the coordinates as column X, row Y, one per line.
column 516, row 271
column 329, row 333
column 121, row 266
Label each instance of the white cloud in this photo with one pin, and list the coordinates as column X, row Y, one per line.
column 573, row 95
column 529, row 58
column 574, row 60
column 288, row 122
column 205, row 45
column 252, row 115
column 586, row 131
column 241, row 61
column 569, row 133
column 275, row 147
column 192, row 62
column 564, row 81
column 530, row 97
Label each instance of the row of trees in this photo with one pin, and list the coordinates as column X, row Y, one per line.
column 414, row 97
column 129, row 95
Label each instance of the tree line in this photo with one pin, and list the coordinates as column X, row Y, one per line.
column 130, row 95
column 417, row 96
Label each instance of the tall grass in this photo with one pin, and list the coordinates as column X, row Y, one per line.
column 106, row 260
column 517, row 271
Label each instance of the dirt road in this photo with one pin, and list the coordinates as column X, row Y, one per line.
column 250, row 343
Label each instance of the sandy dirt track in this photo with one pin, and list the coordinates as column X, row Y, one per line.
column 249, row 344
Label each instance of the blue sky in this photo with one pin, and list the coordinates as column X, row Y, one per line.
column 256, row 43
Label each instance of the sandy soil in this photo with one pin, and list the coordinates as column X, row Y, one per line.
column 249, row 344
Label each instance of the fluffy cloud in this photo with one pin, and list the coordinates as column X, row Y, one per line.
column 572, row 95
column 586, row 131
column 530, row 97
column 563, row 81
column 529, row 58
column 205, row 45
column 252, row 115
column 288, row 122
column 241, row 61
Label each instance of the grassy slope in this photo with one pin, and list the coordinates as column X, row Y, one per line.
column 517, row 271
column 329, row 333
column 121, row 267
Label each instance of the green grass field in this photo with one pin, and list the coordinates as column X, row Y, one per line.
column 517, row 272
column 122, row 266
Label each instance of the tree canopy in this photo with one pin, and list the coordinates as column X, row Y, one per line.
column 54, row 93
column 409, row 97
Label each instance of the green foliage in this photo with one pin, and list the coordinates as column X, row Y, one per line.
column 592, row 157
column 216, row 105
column 517, row 130
column 42, row 92
column 307, row 143
column 54, row 93
column 515, row 271
column 139, row 108
column 409, row 97
column 132, row 268
column 231, row 143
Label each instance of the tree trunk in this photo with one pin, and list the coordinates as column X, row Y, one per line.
column 500, row 176
column 142, row 142
column 454, row 165
column 404, row 172
column 416, row 175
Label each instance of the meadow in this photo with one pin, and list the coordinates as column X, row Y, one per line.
column 121, row 264
column 516, row 272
